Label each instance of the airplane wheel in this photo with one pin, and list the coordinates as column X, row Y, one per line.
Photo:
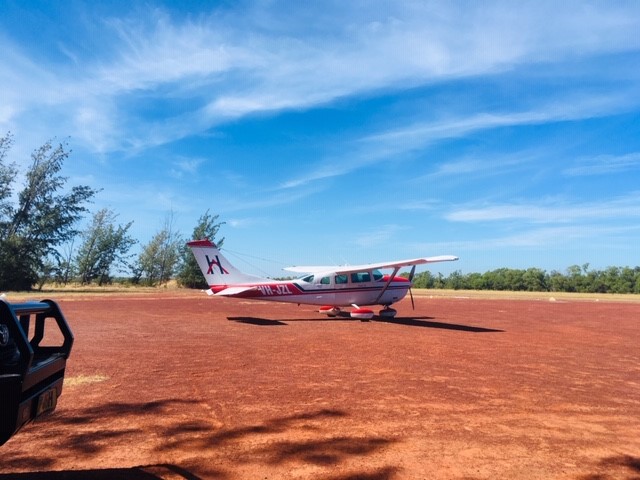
column 388, row 313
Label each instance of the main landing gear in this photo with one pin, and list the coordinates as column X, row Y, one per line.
column 388, row 312
column 359, row 312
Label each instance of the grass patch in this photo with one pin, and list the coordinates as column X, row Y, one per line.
column 77, row 290
column 84, row 380
column 172, row 289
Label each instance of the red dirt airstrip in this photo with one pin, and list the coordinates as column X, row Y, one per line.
column 184, row 386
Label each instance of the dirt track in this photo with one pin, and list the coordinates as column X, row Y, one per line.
column 184, row 386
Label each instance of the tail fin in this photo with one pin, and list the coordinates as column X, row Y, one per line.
column 217, row 270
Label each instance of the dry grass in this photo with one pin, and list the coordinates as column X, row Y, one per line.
column 78, row 380
column 172, row 289
column 77, row 290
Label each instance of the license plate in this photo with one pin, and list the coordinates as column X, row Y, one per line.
column 47, row 401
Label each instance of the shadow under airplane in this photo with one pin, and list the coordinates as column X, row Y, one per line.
column 261, row 322
column 424, row 322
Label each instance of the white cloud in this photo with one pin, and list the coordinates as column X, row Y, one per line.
column 186, row 166
column 382, row 234
column 556, row 237
column 551, row 212
column 241, row 223
column 605, row 164
column 564, row 109
column 268, row 57
column 394, row 144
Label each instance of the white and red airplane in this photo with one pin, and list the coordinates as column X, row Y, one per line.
column 331, row 287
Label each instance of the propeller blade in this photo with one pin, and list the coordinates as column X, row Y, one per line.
column 412, row 273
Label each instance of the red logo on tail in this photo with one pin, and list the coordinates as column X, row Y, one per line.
column 215, row 261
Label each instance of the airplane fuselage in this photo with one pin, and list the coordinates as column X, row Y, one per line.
column 362, row 288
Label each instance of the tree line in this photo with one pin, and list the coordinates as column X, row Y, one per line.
column 577, row 278
column 40, row 240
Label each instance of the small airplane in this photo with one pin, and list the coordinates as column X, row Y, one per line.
column 331, row 287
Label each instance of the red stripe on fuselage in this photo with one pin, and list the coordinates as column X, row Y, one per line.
column 271, row 290
column 262, row 289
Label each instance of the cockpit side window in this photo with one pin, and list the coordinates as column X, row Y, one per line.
column 377, row 275
column 341, row 279
column 307, row 279
column 325, row 280
column 360, row 277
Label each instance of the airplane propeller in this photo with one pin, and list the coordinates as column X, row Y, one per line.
column 411, row 274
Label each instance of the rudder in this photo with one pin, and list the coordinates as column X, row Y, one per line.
column 217, row 270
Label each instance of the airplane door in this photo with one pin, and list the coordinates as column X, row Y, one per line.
column 324, row 289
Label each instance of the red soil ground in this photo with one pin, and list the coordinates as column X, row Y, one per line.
column 185, row 386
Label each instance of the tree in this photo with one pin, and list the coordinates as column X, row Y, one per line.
column 158, row 260
column 7, row 177
column 535, row 280
column 422, row 280
column 65, row 267
column 43, row 218
column 455, row 281
column 104, row 246
column 190, row 275
column 476, row 281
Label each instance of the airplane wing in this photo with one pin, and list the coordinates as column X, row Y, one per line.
column 370, row 266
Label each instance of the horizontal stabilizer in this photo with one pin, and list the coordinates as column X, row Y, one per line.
column 235, row 291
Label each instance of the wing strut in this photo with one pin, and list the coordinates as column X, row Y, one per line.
column 386, row 285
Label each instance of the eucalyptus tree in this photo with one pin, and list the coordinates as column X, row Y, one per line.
column 105, row 246
column 160, row 257
column 42, row 216
column 189, row 274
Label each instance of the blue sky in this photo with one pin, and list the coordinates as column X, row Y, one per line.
column 507, row 133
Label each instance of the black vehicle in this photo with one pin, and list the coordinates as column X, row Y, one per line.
column 35, row 343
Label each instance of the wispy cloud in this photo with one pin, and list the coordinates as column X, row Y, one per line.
column 330, row 168
column 241, row 223
column 482, row 165
column 556, row 237
column 186, row 166
column 397, row 143
column 551, row 212
column 220, row 72
column 575, row 107
column 604, row 164
column 382, row 234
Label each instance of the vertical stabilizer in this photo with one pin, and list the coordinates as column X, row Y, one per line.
column 217, row 270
